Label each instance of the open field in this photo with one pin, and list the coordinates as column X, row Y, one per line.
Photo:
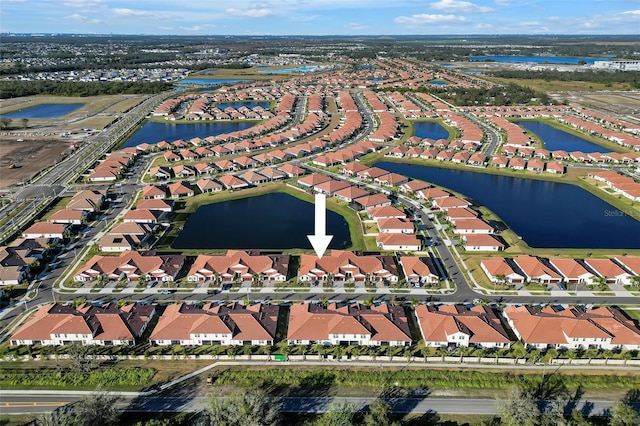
column 28, row 157
column 559, row 86
column 246, row 73
column 42, row 144
column 624, row 103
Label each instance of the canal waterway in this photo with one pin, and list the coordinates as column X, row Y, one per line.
column 556, row 139
column 154, row 132
column 544, row 214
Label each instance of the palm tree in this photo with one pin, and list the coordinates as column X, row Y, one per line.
column 142, row 280
column 257, row 279
column 329, row 278
column 635, row 280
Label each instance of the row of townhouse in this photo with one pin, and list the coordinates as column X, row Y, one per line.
column 575, row 156
column 284, row 109
column 530, row 165
column 515, row 135
column 475, row 233
column 618, row 137
column 181, row 152
column 446, row 326
column 36, row 241
column 113, row 166
column 610, row 121
column 388, row 125
column 221, row 182
column 623, row 185
column 525, row 268
column 434, row 146
column 335, row 267
column 17, row 258
column 198, row 112
column 460, row 157
column 397, row 235
column 131, row 266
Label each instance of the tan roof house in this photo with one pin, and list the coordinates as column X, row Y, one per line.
column 183, row 324
column 356, row 324
column 457, row 325
column 89, row 324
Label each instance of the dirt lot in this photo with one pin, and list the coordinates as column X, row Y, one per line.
column 42, row 143
column 28, row 157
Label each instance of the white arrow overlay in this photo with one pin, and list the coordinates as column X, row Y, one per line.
column 320, row 241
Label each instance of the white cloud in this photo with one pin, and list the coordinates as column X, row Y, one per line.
column 251, row 13
column 356, row 26
column 455, row 6
column 483, row 26
column 83, row 19
column 82, row 4
column 632, row 12
column 126, row 13
column 424, row 18
column 197, row 28
column 502, row 2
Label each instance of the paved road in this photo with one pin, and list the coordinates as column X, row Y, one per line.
column 41, row 403
column 52, row 181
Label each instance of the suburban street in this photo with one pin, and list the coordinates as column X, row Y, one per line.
column 42, row 401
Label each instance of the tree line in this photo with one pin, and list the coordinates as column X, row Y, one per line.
column 498, row 95
column 545, row 403
column 592, row 76
column 15, row 89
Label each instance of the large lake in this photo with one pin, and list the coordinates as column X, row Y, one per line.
column 536, row 59
column 43, row 111
column 154, row 132
column 430, row 129
column 544, row 214
column 270, row 221
column 555, row 139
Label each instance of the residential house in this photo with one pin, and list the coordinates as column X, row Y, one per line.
column 211, row 324
column 45, row 230
column 88, row 324
column 460, row 326
column 341, row 266
column 500, row 271
column 239, row 265
column 356, row 324
column 572, row 328
column 572, row 271
column 402, row 242
column 68, row 217
column 232, row 182
column 537, row 270
column 609, row 270
column 481, row 242
column 130, row 265
column 420, row 271
column 180, row 189
column 373, row 201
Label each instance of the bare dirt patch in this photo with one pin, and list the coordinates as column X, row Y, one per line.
column 27, row 157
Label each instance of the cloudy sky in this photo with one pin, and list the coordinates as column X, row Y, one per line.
column 321, row 17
